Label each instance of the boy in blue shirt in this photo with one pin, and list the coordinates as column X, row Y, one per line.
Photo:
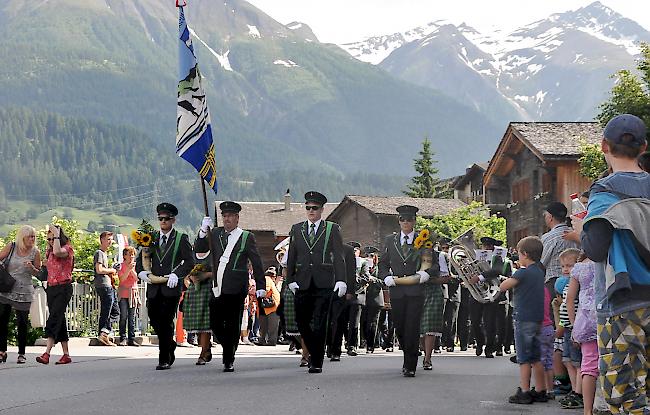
column 528, row 283
column 616, row 237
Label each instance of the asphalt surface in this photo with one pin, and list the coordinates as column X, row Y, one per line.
column 267, row 380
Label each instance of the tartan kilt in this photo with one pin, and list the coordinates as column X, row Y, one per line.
column 196, row 307
column 289, row 311
column 432, row 313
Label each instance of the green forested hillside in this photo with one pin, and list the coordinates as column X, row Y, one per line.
column 53, row 162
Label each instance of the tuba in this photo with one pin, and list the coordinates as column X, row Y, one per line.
column 462, row 256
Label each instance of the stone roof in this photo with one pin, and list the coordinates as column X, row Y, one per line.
column 557, row 139
column 461, row 181
column 271, row 216
column 386, row 205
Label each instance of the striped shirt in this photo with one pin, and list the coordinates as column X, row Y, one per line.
column 564, row 312
column 553, row 247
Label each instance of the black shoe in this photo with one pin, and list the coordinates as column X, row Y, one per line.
column 408, row 373
column 292, row 347
column 389, row 350
column 368, row 351
column 521, row 397
column 437, row 351
column 538, row 396
column 163, row 366
column 513, row 358
column 352, row 352
column 228, row 367
column 499, row 351
column 451, row 349
column 132, row 343
column 329, row 355
column 479, row 350
column 315, row 370
column 463, row 349
column 304, row 362
column 489, row 355
column 335, row 358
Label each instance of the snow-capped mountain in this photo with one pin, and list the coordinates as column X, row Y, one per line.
column 554, row 69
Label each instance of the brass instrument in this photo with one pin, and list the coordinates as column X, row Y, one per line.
column 426, row 258
column 462, row 256
column 282, row 248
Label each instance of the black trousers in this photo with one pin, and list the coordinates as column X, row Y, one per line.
column 484, row 324
column 354, row 311
column 501, row 326
column 338, row 318
column 462, row 323
column 386, row 329
column 370, row 325
column 22, row 320
column 225, row 320
column 162, row 311
column 407, row 313
column 312, row 312
column 450, row 317
column 58, row 297
column 509, row 338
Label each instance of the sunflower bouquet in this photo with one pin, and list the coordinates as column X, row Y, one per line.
column 145, row 237
column 424, row 239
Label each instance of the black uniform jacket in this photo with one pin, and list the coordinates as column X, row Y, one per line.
column 235, row 276
column 320, row 264
column 165, row 263
column 393, row 262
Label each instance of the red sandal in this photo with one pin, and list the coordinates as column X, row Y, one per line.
column 64, row 360
column 44, row 358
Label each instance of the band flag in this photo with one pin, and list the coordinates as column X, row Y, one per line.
column 193, row 130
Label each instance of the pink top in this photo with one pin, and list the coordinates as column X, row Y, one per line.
column 548, row 321
column 59, row 270
column 128, row 279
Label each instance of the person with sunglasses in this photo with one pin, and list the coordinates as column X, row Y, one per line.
column 399, row 258
column 173, row 258
column 315, row 272
column 235, row 248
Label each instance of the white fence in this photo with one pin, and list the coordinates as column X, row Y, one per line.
column 82, row 314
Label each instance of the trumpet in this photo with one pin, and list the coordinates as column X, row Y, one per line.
column 463, row 258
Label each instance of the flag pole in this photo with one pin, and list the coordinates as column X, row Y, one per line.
column 207, row 213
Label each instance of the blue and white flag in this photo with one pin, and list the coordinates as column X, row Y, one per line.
column 193, row 131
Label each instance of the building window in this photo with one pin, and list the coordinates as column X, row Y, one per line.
column 521, row 191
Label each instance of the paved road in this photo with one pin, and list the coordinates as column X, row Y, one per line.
column 267, row 380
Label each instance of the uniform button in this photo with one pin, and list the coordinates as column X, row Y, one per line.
column 311, row 253
column 404, row 263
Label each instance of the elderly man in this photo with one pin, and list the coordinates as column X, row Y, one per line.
column 234, row 247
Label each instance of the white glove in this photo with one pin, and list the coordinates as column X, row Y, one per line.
column 340, row 288
column 172, row 282
column 260, row 293
column 293, row 287
column 390, row 281
column 424, row 277
column 144, row 276
column 206, row 224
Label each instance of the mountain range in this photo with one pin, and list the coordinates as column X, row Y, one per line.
column 554, row 69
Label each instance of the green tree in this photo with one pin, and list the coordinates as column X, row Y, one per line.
column 427, row 184
column 592, row 160
column 631, row 94
column 459, row 221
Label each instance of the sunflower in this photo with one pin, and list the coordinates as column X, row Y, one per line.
column 418, row 243
column 425, row 234
column 428, row 245
column 145, row 239
column 135, row 235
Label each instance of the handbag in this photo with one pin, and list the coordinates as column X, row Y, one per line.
column 6, row 280
column 38, row 311
column 267, row 302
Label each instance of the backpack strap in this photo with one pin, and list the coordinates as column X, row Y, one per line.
column 242, row 248
column 328, row 231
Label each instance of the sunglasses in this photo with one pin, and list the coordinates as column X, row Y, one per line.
column 406, row 219
column 312, row 208
column 164, row 218
column 50, row 239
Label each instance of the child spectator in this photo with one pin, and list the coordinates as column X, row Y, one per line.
column 571, row 355
column 584, row 327
column 615, row 237
column 129, row 297
column 546, row 343
column 528, row 315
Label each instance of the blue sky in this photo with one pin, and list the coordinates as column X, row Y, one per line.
column 340, row 21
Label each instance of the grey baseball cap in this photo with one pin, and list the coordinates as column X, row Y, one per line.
column 623, row 124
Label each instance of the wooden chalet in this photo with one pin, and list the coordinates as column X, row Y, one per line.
column 469, row 187
column 536, row 163
column 368, row 219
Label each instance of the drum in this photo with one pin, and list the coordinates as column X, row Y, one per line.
column 386, row 294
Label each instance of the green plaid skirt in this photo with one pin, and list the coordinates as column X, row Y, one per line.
column 289, row 310
column 432, row 314
column 196, row 307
